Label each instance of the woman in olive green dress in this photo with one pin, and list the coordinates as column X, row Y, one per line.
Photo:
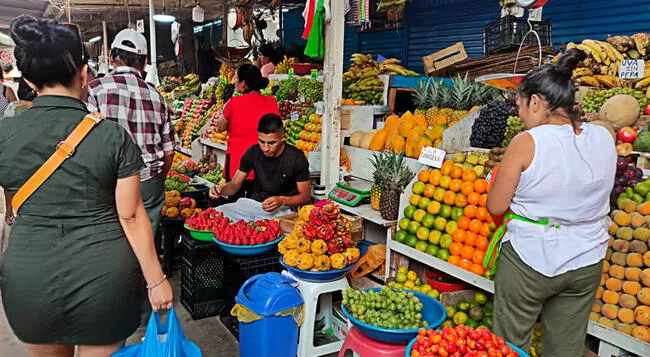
column 72, row 274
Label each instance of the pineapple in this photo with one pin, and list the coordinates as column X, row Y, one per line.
column 380, row 163
column 419, row 95
column 398, row 175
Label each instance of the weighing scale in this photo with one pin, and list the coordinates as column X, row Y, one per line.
column 351, row 193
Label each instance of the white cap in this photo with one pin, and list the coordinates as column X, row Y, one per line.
column 136, row 38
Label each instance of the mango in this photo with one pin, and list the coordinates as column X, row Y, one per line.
column 594, row 316
column 627, row 205
column 613, row 284
column 621, row 245
column 612, row 228
column 642, row 333
column 597, row 305
column 626, row 316
column 621, row 218
column 631, row 287
column 625, row 233
column 645, row 277
column 627, row 301
column 633, row 274
column 642, row 234
column 616, row 271
column 608, row 254
column 619, row 258
column 624, row 328
column 606, row 322
column 634, row 260
column 644, row 296
column 642, row 315
column 610, row 297
column 637, row 220
column 637, row 246
column 646, row 259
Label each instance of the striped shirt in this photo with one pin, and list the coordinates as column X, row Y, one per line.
column 124, row 97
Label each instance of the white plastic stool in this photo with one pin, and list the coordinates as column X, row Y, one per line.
column 312, row 294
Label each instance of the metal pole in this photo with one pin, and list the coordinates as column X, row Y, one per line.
column 152, row 74
column 104, row 63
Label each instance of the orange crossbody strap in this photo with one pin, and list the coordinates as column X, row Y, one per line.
column 64, row 150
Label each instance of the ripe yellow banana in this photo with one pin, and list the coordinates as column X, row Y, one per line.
column 645, row 82
column 581, row 72
column 596, row 47
column 589, row 81
column 391, row 61
column 589, row 51
column 647, row 93
column 612, row 52
column 571, row 45
column 608, row 81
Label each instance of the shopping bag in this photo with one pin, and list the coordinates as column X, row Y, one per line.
column 162, row 340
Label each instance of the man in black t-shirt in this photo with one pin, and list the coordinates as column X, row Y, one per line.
column 281, row 171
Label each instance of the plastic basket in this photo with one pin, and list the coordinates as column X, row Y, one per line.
column 206, row 278
column 245, row 268
column 508, row 32
column 409, row 349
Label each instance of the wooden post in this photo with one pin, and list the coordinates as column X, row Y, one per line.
column 332, row 94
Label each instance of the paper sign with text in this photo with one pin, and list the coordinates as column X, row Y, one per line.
column 632, row 69
column 319, row 108
column 295, row 116
column 139, row 25
column 431, row 156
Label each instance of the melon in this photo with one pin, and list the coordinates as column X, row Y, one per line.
column 367, row 139
column 620, row 110
column 355, row 138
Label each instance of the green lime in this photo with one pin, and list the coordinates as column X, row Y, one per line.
column 411, row 240
column 422, row 234
column 480, row 297
column 400, row 236
column 413, row 227
column 424, row 203
column 428, row 220
column 460, row 318
column 445, row 211
column 409, row 210
column 450, row 311
column 446, row 241
column 404, row 223
column 418, row 187
column 463, row 305
column 434, row 237
column 471, row 323
column 439, row 224
column 443, row 254
column 432, row 250
column 456, row 213
column 421, row 246
column 400, row 277
column 434, row 294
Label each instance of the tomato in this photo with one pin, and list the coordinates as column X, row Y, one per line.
column 422, row 332
column 492, row 352
column 487, row 335
column 505, row 350
column 474, row 335
column 513, row 354
column 451, row 347
column 442, row 352
column 434, row 349
column 436, row 339
column 471, row 343
column 501, row 341
column 462, row 333
column 480, row 346
column 482, row 354
column 490, row 345
column 463, row 349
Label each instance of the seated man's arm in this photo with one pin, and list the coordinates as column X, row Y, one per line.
column 303, row 197
column 230, row 188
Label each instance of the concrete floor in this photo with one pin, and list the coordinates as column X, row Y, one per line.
column 208, row 333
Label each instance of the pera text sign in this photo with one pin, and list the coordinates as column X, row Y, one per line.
column 431, row 156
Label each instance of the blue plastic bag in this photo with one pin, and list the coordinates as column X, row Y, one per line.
column 162, row 340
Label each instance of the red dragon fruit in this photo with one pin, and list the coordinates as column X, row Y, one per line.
column 317, row 216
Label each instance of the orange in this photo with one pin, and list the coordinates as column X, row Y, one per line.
column 466, row 188
column 482, row 214
column 465, row 264
column 446, row 167
column 474, row 198
column 470, row 210
column 455, row 184
column 478, row 257
column 456, row 172
column 483, row 201
column 470, row 238
column 456, row 249
column 470, row 175
column 458, row 236
column 467, row 252
column 449, row 198
column 454, row 260
column 434, row 177
column 477, row 269
column 429, row 189
column 463, row 222
column 485, row 229
column 482, row 243
column 480, row 186
column 424, row 176
column 461, row 200
column 475, row 226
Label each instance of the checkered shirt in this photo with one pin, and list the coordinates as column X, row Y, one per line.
column 124, row 97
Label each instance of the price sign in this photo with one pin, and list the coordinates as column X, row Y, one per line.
column 431, row 156
column 290, row 73
column 319, row 108
column 302, row 98
column 139, row 25
column 314, row 73
column 632, row 69
column 295, row 116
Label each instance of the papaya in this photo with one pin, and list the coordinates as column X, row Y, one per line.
column 397, row 144
column 406, row 124
column 424, row 141
column 378, row 140
column 642, row 315
column 410, row 148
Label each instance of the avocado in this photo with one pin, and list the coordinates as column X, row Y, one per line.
column 476, row 313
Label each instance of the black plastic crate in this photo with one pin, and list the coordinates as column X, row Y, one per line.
column 508, row 32
column 247, row 267
column 206, row 278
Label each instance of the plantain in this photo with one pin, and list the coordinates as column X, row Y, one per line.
column 647, row 93
column 612, row 52
column 613, row 68
column 571, row 45
column 589, row 81
column 643, row 83
column 608, row 81
column 589, row 51
column 391, row 61
column 620, row 43
column 580, row 72
column 597, row 48
column 641, row 42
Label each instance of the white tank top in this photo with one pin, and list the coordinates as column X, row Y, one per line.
column 568, row 182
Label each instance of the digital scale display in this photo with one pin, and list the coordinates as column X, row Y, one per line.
column 351, row 193
column 345, row 195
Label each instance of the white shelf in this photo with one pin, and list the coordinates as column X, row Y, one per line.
column 618, row 339
column 213, row 144
column 443, row 266
column 366, row 212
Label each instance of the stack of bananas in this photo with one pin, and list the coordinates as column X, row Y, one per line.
column 209, row 93
column 227, row 73
column 284, row 66
column 644, row 83
column 191, row 82
column 392, row 66
column 360, row 81
column 601, row 68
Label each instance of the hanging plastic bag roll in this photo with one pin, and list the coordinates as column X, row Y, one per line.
column 162, row 340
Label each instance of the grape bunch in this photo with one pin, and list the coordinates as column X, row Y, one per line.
column 288, row 90
column 514, row 126
column 594, row 100
column 386, row 308
column 489, row 128
column 311, row 89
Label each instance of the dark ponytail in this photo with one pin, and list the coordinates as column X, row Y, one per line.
column 553, row 82
column 46, row 51
column 252, row 76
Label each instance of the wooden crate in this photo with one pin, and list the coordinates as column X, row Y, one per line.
column 437, row 62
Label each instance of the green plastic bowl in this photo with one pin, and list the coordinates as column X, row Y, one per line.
column 203, row 236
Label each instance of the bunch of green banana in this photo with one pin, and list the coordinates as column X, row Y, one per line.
column 392, row 66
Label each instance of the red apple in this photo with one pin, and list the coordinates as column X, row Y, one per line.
column 626, row 135
column 646, row 111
